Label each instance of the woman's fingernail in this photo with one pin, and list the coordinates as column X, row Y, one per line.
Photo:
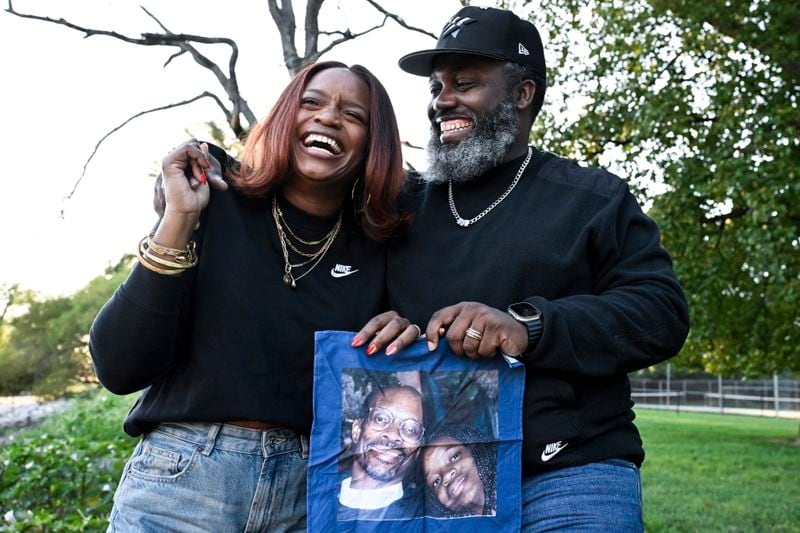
column 431, row 346
column 356, row 341
column 371, row 349
column 208, row 164
column 391, row 349
column 203, row 177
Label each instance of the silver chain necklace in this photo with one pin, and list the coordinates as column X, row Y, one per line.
column 464, row 222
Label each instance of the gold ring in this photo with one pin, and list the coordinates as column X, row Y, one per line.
column 473, row 334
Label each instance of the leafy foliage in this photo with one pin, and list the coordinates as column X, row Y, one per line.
column 62, row 476
column 44, row 349
column 696, row 104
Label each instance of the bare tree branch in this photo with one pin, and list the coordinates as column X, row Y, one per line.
column 312, row 28
column 284, row 20
column 181, row 41
column 204, row 94
column 399, row 19
column 346, row 36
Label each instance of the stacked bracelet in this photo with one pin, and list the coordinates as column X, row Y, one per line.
column 165, row 260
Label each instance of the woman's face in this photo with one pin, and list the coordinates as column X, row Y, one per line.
column 331, row 127
column 451, row 474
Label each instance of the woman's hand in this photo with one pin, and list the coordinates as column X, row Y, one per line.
column 387, row 328
column 213, row 174
column 185, row 174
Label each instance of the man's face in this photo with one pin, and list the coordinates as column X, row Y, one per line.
column 387, row 441
column 474, row 120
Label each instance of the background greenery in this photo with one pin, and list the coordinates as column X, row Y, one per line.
column 703, row 472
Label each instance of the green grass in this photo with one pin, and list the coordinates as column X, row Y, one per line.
column 707, row 472
column 61, row 475
column 703, row 472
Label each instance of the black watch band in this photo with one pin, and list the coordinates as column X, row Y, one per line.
column 529, row 316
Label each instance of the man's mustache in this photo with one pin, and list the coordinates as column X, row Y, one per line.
column 444, row 115
column 385, row 443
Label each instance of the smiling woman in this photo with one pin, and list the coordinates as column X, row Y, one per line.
column 459, row 468
column 216, row 323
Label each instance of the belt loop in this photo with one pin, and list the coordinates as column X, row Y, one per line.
column 304, row 446
column 213, row 431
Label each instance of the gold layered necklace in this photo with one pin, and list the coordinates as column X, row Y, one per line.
column 311, row 256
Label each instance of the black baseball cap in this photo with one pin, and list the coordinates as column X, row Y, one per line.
column 487, row 32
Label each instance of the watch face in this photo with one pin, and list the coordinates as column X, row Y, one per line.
column 525, row 310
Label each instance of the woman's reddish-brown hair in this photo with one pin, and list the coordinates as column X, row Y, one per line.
column 266, row 160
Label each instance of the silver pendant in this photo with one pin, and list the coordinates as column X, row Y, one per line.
column 462, row 222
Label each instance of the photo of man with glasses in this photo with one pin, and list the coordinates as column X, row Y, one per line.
column 386, row 438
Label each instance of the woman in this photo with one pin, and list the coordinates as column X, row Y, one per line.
column 216, row 323
column 459, row 466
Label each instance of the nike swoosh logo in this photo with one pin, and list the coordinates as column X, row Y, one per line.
column 342, row 274
column 551, row 451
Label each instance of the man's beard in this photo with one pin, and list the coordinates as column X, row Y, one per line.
column 483, row 149
column 383, row 472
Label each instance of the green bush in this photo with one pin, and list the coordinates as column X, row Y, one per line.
column 62, row 475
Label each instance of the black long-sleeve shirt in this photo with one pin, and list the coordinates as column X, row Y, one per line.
column 227, row 340
column 574, row 242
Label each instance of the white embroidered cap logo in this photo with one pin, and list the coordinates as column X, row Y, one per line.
column 454, row 25
column 340, row 271
column 523, row 51
column 552, row 449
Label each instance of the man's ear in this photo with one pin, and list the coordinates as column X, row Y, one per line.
column 355, row 430
column 525, row 92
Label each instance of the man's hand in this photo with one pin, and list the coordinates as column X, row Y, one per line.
column 477, row 330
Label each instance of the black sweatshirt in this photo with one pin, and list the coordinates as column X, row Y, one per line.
column 574, row 242
column 227, row 340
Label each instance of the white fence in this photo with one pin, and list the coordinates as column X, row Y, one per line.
column 766, row 397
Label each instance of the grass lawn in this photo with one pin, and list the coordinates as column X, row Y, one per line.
column 703, row 472
column 708, row 472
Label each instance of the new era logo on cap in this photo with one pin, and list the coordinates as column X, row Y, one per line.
column 523, row 50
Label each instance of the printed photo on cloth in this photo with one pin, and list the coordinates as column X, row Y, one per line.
column 419, row 441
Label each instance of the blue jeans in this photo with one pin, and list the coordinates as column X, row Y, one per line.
column 193, row 477
column 604, row 496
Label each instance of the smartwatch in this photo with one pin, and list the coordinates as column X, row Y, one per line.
column 529, row 316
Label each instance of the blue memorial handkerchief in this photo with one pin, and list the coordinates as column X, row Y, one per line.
column 420, row 441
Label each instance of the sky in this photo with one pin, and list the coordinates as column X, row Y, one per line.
column 62, row 92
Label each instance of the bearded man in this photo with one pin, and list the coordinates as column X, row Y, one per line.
column 516, row 251
column 386, row 438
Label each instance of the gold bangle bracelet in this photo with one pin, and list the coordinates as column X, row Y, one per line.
column 185, row 259
column 158, row 270
column 166, row 250
column 152, row 258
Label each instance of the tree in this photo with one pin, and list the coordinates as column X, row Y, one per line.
column 236, row 111
column 696, row 104
column 44, row 350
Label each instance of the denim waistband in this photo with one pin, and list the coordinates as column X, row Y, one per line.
column 230, row 438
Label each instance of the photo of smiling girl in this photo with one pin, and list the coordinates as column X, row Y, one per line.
column 459, row 469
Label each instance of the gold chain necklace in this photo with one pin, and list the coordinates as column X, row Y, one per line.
column 284, row 233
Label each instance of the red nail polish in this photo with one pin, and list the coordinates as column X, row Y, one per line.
column 203, row 178
column 391, row 349
column 356, row 341
column 371, row 349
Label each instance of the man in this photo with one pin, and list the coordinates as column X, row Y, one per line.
column 386, row 437
column 517, row 251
